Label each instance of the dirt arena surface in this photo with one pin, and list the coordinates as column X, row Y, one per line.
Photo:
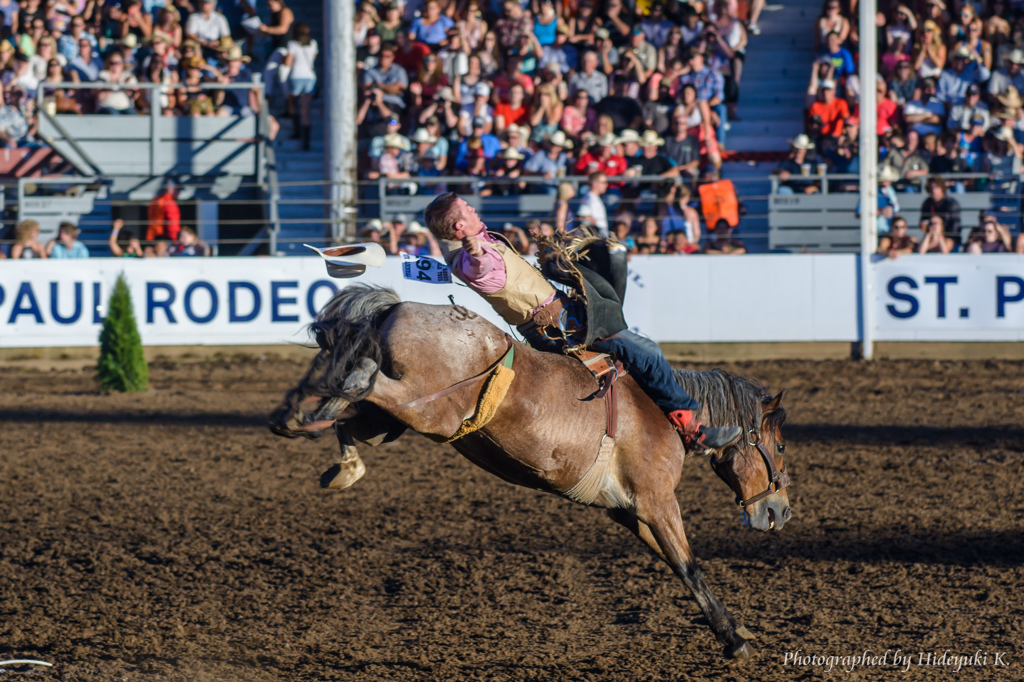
column 170, row 536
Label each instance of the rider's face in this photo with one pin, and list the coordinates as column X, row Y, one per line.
column 470, row 223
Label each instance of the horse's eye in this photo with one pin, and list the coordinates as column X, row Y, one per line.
column 781, row 447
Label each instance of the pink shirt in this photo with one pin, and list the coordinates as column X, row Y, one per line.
column 485, row 273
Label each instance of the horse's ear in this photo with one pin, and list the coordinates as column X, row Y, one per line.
column 774, row 403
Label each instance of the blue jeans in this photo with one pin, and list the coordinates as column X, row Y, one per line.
column 641, row 356
column 649, row 367
column 723, row 119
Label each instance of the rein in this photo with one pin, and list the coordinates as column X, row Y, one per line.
column 506, row 357
column 776, row 477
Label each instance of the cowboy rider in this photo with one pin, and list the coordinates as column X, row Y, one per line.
column 524, row 298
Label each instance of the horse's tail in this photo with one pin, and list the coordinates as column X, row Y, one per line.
column 349, row 326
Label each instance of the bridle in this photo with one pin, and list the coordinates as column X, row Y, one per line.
column 777, row 478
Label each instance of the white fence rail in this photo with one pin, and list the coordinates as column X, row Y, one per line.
column 764, row 298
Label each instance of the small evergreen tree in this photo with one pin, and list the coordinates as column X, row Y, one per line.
column 122, row 365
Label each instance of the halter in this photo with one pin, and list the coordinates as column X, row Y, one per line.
column 779, row 478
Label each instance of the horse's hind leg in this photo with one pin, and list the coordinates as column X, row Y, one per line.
column 347, row 470
column 663, row 533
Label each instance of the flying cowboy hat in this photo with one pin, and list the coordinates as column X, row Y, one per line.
column 344, row 262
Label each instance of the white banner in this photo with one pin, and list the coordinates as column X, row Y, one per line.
column 953, row 297
column 239, row 301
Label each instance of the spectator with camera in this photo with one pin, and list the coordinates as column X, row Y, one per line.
column 990, row 237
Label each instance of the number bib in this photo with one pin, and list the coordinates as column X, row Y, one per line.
column 424, row 269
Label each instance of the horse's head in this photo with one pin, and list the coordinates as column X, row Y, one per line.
column 345, row 368
column 749, row 466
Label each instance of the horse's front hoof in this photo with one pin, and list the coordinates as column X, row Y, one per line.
column 740, row 650
column 745, row 633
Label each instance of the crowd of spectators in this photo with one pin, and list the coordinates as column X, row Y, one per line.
column 185, row 45
column 163, row 235
column 949, row 86
column 514, row 96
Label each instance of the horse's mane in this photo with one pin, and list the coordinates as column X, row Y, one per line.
column 729, row 399
column 349, row 326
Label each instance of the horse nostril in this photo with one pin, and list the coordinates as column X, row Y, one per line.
column 787, row 514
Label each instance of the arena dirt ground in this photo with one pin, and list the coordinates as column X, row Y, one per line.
column 170, row 536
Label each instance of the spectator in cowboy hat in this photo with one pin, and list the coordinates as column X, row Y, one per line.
column 423, row 140
column 551, row 161
column 417, row 240
column 396, row 161
column 629, row 140
column 517, row 138
column 509, row 167
column 1011, row 75
column 888, row 202
column 601, row 156
column 393, row 125
column 962, row 72
column 790, row 171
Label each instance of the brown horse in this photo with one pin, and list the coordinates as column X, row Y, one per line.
column 379, row 354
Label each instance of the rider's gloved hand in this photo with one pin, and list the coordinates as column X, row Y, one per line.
column 471, row 245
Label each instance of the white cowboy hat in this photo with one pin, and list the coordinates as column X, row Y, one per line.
column 446, row 93
column 512, row 153
column 651, row 138
column 607, row 140
column 629, row 135
column 1003, row 134
column 348, row 261
column 1010, row 99
column 888, row 174
column 482, row 90
column 422, row 135
column 828, row 84
column 415, row 228
column 397, row 141
column 374, row 225
column 962, row 52
column 559, row 139
column 513, row 128
column 801, row 141
column 1016, row 56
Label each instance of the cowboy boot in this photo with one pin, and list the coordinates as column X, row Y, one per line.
column 694, row 433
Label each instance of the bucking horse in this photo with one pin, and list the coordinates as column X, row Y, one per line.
column 529, row 417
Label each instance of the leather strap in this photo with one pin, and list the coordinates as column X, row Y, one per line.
column 611, row 406
column 506, row 358
column 777, row 477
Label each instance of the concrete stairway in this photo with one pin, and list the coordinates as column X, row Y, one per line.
column 301, row 173
column 775, row 77
column 771, row 108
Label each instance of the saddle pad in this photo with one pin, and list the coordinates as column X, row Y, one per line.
column 490, row 399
